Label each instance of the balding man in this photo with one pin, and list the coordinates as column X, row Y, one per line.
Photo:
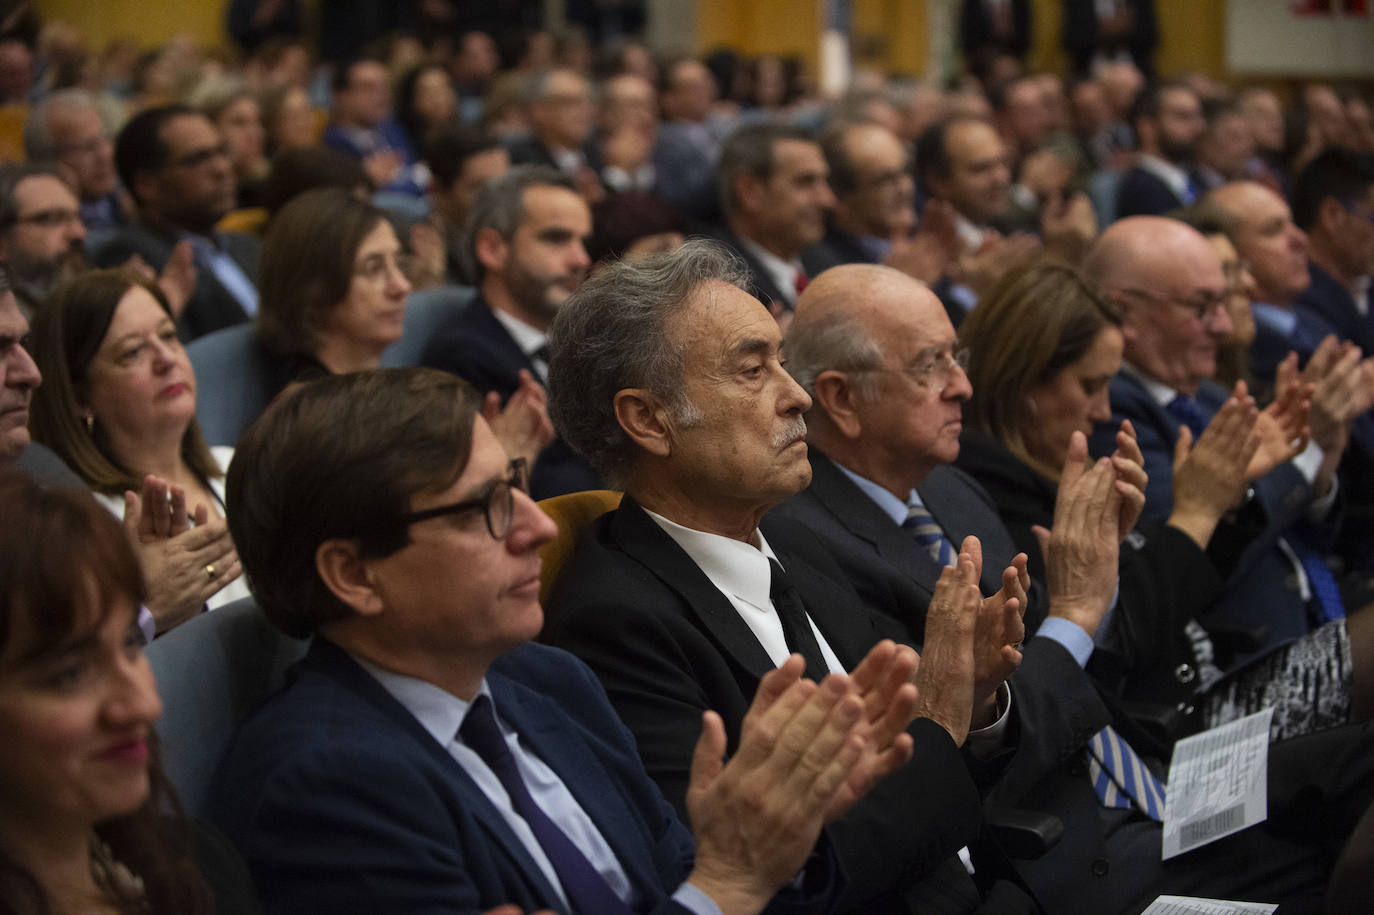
column 879, row 357
column 1167, row 280
column 870, row 173
column 668, row 377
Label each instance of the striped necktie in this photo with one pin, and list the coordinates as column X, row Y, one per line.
column 1120, row 777
column 929, row 535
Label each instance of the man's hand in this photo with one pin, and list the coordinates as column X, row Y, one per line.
column 1082, row 550
column 980, row 269
column 1210, row 477
column 756, row 818
column 997, row 634
column 882, row 681
column 945, row 675
column 178, row 277
column 523, row 427
column 1281, row 428
column 1068, row 225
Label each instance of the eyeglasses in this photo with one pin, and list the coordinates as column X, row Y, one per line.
column 497, row 503
column 1201, row 306
column 933, row 368
column 201, row 157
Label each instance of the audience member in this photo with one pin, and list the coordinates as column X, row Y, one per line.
column 462, row 161
column 1119, row 30
column 42, row 238
column 561, row 118
column 295, row 171
column 426, row 104
column 176, row 166
column 363, row 126
column 1227, row 147
column 667, row 375
column 1333, row 202
column 525, row 243
column 234, row 111
column 989, row 28
column 89, row 820
column 870, row 176
column 689, row 141
column 1168, row 125
column 119, row 408
column 68, row 128
column 290, row 120
column 417, row 574
column 774, row 197
column 19, row 377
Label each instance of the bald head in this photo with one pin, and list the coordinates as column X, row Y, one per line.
column 1260, row 225
column 1167, row 279
column 876, row 350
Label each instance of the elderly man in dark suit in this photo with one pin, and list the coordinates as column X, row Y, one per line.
column 668, row 376
column 525, row 245
column 176, row 165
column 427, row 758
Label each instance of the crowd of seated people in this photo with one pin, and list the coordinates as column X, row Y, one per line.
column 970, row 445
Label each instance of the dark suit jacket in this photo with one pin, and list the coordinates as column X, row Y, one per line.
column 529, row 150
column 475, row 346
column 668, row 645
column 211, row 306
column 838, row 247
column 1142, row 193
column 342, row 802
column 1331, row 302
column 976, row 33
column 1082, row 41
column 761, row 285
column 1261, row 589
column 887, row 567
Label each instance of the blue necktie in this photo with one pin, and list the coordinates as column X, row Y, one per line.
column 928, row 534
column 1329, row 604
column 587, row 890
column 1120, row 776
column 1189, row 412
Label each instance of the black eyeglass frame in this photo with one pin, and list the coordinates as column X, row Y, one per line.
column 517, row 477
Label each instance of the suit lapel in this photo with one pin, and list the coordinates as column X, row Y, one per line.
column 485, row 323
column 865, row 520
column 641, row 538
column 335, row 663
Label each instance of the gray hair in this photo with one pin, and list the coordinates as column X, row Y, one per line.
column 612, row 334
column 500, row 205
column 38, row 145
column 835, row 342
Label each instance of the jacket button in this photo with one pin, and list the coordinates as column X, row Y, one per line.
column 1100, row 867
column 1184, row 673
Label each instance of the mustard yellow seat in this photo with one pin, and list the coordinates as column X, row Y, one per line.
column 571, row 512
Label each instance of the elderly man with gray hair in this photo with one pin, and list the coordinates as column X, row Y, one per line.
column 668, row 377
column 69, row 129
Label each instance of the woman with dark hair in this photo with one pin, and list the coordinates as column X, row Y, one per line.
column 118, row 405
column 1036, row 395
column 426, row 103
column 87, row 819
column 333, row 287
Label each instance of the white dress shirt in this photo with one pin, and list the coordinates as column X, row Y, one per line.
column 783, row 273
column 529, row 338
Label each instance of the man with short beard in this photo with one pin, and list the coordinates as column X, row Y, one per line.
column 524, row 244
column 1168, row 123
column 41, row 234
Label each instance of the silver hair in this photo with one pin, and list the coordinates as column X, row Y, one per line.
column 612, row 334
column 38, row 145
column 500, row 205
column 837, row 342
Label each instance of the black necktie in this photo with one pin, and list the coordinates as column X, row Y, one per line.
column 587, row 890
column 796, row 628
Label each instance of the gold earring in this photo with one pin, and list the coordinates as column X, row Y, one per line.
column 90, row 423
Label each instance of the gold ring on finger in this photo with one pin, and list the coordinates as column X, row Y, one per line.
column 210, row 570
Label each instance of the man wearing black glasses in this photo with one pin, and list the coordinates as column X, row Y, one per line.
column 42, row 237
column 176, row 165
column 427, row 758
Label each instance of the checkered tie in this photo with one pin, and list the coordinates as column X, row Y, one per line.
column 1120, row 776
column 929, row 535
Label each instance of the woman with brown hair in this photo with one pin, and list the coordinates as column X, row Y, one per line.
column 118, row 405
column 87, row 820
column 1037, row 393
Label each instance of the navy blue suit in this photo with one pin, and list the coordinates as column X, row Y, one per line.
column 1332, row 303
column 342, row 802
column 1142, row 193
column 476, row 347
column 1262, row 589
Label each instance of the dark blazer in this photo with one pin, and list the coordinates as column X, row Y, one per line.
column 1165, row 580
column 870, row 548
column 761, row 285
column 1081, row 39
column 1332, row 303
column 668, row 645
column 1142, row 193
column 529, row 150
column 475, row 346
column 1261, row 589
column 211, row 306
column 838, row 247
column 976, row 33
column 342, row 802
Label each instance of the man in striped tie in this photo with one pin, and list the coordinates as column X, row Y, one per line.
column 878, row 355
